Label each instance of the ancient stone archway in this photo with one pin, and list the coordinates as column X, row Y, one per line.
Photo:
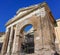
column 27, row 45
column 41, row 19
column 21, row 33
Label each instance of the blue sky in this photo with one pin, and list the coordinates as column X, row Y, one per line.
column 8, row 9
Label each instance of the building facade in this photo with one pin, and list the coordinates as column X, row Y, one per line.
column 39, row 41
column 1, row 40
column 57, row 32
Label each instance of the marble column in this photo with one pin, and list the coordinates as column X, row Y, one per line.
column 5, row 44
column 10, row 42
column 16, row 42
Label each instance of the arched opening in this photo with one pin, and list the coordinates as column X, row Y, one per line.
column 27, row 46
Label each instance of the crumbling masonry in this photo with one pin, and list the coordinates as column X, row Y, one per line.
column 41, row 41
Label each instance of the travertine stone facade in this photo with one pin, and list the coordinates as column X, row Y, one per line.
column 57, row 32
column 2, row 37
column 43, row 23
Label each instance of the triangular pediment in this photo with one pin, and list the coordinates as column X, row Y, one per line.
column 25, row 11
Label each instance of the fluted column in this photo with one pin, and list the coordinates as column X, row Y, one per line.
column 5, row 44
column 16, row 42
column 10, row 42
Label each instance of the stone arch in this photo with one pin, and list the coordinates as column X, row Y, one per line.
column 24, row 27
column 27, row 37
column 32, row 20
column 35, row 22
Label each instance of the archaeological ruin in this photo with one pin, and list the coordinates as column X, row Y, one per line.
column 30, row 32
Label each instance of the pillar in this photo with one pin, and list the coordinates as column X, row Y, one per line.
column 16, row 42
column 10, row 42
column 38, row 37
column 5, row 44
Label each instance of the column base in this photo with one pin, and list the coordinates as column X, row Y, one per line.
column 47, row 50
column 41, row 52
column 15, row 53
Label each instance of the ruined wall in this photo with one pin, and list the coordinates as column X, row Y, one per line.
column 57, row 32
column 43, row 34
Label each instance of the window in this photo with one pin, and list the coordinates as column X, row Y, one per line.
column 27, row 28
column 28, row 45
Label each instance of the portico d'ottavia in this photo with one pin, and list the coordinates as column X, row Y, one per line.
column 40, row 40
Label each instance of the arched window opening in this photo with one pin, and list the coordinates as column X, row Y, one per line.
column 28, row 45
column 28, row 28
